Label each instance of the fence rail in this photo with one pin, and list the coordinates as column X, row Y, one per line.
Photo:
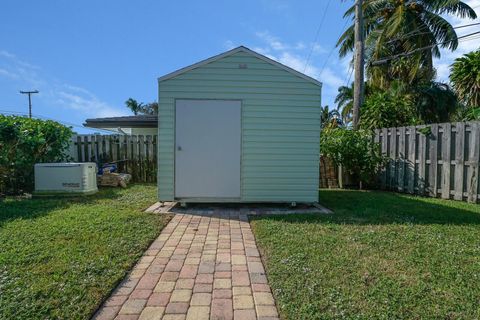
column 439, row 160
column 136, row 155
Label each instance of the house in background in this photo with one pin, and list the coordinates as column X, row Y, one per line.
column 130, row 125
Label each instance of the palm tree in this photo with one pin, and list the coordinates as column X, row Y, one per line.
column 465, row 78
column 134, row 105
column 395, row 27
column 344, row 101
column 330, row 118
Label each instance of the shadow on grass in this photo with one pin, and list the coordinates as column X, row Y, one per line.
column 377, row 207
column 11, row 209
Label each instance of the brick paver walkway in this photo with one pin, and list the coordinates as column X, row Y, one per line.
column 200, row 267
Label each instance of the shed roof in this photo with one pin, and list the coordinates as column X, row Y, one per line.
column 234, row 51
column 138, row 121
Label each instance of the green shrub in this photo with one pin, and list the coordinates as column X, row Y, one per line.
column 24, row 142
column 355, row 151
column 387, row 109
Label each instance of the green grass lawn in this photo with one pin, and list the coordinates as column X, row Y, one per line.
column 59, row 258
column 379, row 256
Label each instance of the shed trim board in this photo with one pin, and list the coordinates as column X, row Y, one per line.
column 279, row 126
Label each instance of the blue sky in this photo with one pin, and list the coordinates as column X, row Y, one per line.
column 88, row 57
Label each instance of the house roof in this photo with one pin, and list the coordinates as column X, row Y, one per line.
column 234, row 51
column 138, row 121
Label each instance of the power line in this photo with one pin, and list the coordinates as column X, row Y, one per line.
column 350, row 76
column 316, row 35
column 333, row 48
column 414, row 33
column 386, row 59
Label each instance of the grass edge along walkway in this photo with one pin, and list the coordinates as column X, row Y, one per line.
column 379, row 256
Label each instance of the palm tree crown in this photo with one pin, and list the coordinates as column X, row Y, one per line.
column 400, row 26
column 344, row 101
column 465, row 78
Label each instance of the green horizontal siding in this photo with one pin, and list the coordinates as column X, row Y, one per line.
column 280, row 126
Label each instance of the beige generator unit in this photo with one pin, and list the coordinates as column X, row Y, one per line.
column 65, row 178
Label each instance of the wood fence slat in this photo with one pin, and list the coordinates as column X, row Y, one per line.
column 446, row 150
column 474, row 158
column 148, row 143
column 115, row 148
column 411, row 159
column 459, row 160
column 155, row 159
column 134, row 157
column 384, row 151
column 124, row 154
column 91, row 148
column 401, row 159
column 79, row 149
column 108, row 148
column 433, row 151
column 141, row 157
column 85, row 150
column 393, row 157
column 422, row 163
column 98, row 147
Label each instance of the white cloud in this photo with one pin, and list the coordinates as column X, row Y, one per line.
column 88, row 104
column 229, row 45
column 8, row 74
column 295, row 56
column 464, row 46
column 54, row 92
column 272, row 41
column 317, row 49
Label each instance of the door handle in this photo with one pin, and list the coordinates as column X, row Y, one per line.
column 179, row 148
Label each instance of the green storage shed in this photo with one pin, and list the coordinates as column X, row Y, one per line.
column 238, row 127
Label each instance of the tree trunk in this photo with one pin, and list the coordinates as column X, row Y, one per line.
column 359, row 63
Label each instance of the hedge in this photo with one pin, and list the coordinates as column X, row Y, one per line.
column 24, row 142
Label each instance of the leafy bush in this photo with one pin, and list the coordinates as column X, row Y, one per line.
column 385, row 109
column 354, row 150
column 436, row 102
column 468, row 114
column 24, row 142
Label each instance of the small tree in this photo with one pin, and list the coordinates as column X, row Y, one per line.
column 355, row 151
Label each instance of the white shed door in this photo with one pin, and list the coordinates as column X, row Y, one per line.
column 207, row 148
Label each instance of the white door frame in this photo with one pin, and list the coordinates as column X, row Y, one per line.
column 235, row 198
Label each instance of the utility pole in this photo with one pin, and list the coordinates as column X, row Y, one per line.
column 358, row 62
column 29, row 100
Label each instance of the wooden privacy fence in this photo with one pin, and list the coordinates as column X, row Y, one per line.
column 439, row 160
column 136, row 155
